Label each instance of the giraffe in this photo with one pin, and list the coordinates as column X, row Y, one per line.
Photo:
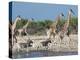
column 13, row 30
column 65, row 27
column 23, row 29
column 53, row 28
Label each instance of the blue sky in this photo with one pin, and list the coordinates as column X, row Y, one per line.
column 40, row 11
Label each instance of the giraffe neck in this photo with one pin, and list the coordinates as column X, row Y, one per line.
column 58, row 19
column 69, row 17
column 14, row 25
column 25, row 26
column 66, row 25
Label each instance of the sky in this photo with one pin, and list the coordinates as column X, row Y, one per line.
column 40, row 11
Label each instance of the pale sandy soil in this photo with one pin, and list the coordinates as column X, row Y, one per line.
column 66, row 44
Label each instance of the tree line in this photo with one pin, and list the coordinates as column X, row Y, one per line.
column 38, row 27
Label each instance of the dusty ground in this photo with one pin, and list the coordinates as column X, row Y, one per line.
column 66, row 44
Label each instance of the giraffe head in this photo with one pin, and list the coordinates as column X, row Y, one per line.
column 61, row 14
column 71, row 11
column 30, row 20
column 18, row 18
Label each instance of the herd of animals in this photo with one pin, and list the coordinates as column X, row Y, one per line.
column 50, row 32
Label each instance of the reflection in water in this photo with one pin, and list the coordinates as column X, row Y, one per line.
column 42, row 54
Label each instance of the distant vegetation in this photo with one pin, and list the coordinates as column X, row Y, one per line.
column 39, row 26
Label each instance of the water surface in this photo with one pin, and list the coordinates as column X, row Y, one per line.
column 42, row 54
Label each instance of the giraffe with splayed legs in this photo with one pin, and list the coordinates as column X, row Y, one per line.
column 53, row 28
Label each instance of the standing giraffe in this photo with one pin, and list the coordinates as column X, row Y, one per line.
column 23, row 29
column 13, row 30
column 65, row 27
column 53, row 28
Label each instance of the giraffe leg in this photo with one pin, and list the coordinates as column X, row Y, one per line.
column 15, row 40
column 49, row 36
column 12, row 41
